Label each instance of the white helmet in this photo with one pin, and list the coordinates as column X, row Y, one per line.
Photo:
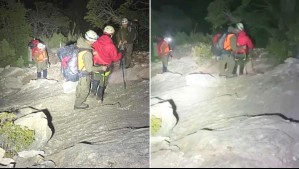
column 240, row 26
column 41, row 46
column 124, row 21
column 91, row 36
column 109, row 29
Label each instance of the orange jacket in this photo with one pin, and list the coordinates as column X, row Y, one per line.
column 227, row 44
column 163, row 48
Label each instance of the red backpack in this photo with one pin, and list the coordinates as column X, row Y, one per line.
column 215, row 38
column 33, row 47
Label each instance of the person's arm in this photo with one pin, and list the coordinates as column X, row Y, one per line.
column 88, row 63
column 114, row 54
column 233, row 43
column 118, row 38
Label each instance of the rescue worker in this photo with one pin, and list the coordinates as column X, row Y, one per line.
column 163, row 52
column 85, row 67
column 105, row 53
column 227, row 59
column 126, row 36
column 41, row 59
column 245, row 46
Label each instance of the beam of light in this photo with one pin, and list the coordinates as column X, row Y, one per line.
column 168, row 39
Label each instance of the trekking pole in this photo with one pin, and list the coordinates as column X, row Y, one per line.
column 103, row 88
column 122, row 50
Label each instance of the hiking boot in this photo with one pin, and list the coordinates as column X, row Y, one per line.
column 82, row 106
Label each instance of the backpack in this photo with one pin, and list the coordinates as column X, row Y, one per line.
column 68, row 55
column 218, row 44
column 132, row 27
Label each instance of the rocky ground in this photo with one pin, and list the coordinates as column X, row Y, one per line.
column 246, row 121
column 112, row 134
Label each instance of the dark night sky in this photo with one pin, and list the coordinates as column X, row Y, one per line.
column 196, row 10
column 61, row 3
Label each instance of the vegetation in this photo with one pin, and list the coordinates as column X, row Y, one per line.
column 14, row 33
column 46, row 20
column 13, row 138
column 271, row 23
column 156, row 124
column 201, row 53
column 102, row 13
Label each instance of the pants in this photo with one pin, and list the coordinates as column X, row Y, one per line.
column 229, row 60
column 42, row 66
column 128, row 54
column 99, row 83
column 82, row 90
column 164, row 63
column 240, row 61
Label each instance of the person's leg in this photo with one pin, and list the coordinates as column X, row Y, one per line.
column 102, row 87
column 95, row 83
column 45, row 73
column 39, row 75
column 242, row 64
column 129, row 50
column 230, row 65
column 223, row 61
column 82, row 91
column 39, row 70
column 94, row 86
column 165, row 63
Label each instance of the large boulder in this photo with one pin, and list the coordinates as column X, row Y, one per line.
column 39, row 123
column 165, row 112
column 138, row 72
column 2, row 152
column 143, row 74
column 12, row 72
column 13, row 83
column 7, row 162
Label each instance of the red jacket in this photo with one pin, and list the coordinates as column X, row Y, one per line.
column 106, row 52
column 244, row 40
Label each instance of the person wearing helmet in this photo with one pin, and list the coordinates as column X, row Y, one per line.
column 85, row 68
column 245, row 46
column 126, row 36
column 164, row 50
column 40, row 58
column 105, row 53
column 227, row 61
